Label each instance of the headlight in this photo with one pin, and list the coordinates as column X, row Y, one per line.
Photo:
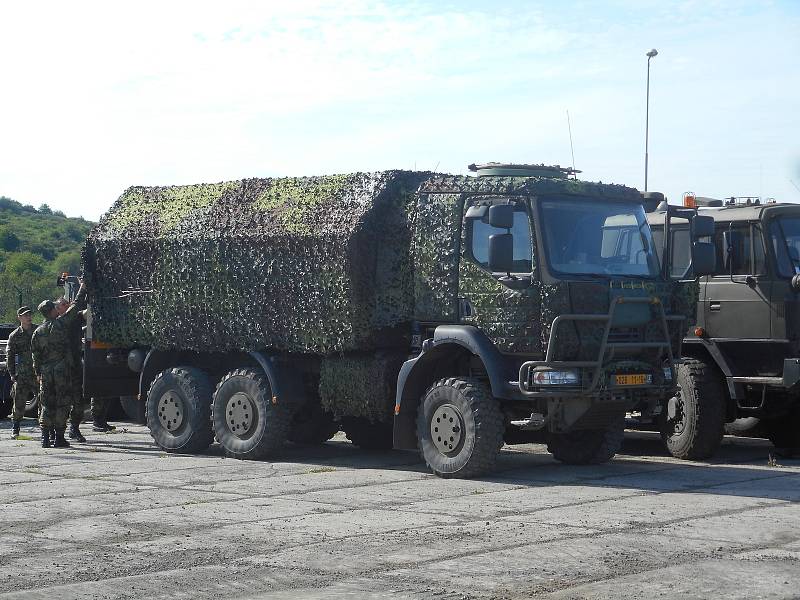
column 567, row 377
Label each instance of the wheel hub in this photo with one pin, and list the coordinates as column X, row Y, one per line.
column 171, row 411
column 447, row 429
column 239, row 414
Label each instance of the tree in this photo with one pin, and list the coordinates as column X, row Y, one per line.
column 8, row 240
column 22, row 263
column 45, row 210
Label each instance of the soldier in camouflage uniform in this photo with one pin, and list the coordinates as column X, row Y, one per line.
column 20, row 366
column 51, row 362
column 77, row 403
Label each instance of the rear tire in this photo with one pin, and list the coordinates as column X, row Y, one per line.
column 460, row 428
column 133, row 408
column 178, row 410
column 366, row 434
column 246, row 422
column 694, row 422
column 588, row 446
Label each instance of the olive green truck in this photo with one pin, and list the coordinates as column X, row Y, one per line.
column 410, row 309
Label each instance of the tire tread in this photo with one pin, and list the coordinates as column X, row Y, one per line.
column 489, row 426
column 196, row 383
column 708, row 418
column 279, row 422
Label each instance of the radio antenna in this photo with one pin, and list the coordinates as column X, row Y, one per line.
column 571, row 149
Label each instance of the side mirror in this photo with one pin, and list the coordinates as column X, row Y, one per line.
column 702, row 226
column 501, row 252
column 501, row 216
column 704, row 258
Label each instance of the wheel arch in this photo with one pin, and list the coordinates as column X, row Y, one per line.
column 450, row 347
column 158, row 360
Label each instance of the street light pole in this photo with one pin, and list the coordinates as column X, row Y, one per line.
column 650, row 55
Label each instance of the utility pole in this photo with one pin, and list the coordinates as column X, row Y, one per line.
column 650, row 55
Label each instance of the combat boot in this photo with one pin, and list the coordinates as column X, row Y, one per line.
column 99, row 425
column 15, row 430
column 75, row 433
column 60, row 442
column 45, row 437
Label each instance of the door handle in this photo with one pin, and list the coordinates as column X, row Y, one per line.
column 715, row 306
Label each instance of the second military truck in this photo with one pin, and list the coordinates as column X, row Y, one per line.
column 742, row 360
column 410, row 309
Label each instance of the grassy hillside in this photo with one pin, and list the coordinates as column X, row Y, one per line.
column 35, row 246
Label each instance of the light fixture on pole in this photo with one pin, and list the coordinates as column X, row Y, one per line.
column 650, row 55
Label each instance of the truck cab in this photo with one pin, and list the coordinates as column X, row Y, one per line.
column 744, row 353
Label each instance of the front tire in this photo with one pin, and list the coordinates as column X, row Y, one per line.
column 178, row 410
column 460, row 428
column 694, row 422
column 246, row 422
column 588, row 446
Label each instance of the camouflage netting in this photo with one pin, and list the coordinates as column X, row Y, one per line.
column 315, row 265
column 360, row 385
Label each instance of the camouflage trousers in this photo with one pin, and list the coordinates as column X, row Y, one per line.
column 22, row 391
column 99, row 409
column 55, row 396
column 76, row 400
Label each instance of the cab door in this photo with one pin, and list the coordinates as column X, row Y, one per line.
column 503, row 306
column 736, row 303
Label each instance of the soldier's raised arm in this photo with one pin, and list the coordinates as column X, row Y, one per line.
column 79, row 304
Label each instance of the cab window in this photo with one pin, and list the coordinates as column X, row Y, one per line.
column 747, row 257
column 478, row 234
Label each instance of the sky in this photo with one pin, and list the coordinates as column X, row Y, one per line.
column 98, row 96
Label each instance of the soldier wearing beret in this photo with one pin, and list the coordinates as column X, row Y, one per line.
column 20, row 366
column 50, row 348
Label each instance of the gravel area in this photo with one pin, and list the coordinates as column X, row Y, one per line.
column 117, row 518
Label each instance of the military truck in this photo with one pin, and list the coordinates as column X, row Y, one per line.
column 742, row 359
column 411, row 309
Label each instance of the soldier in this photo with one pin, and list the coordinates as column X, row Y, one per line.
column 50, row 348
column 20, row 366
column 77, row 404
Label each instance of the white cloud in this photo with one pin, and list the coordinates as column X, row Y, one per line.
column 106, row 95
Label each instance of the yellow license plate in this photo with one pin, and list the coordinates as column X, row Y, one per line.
column 637, row 379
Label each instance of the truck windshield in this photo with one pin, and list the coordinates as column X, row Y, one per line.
column 785, row 238
column 592, row 237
